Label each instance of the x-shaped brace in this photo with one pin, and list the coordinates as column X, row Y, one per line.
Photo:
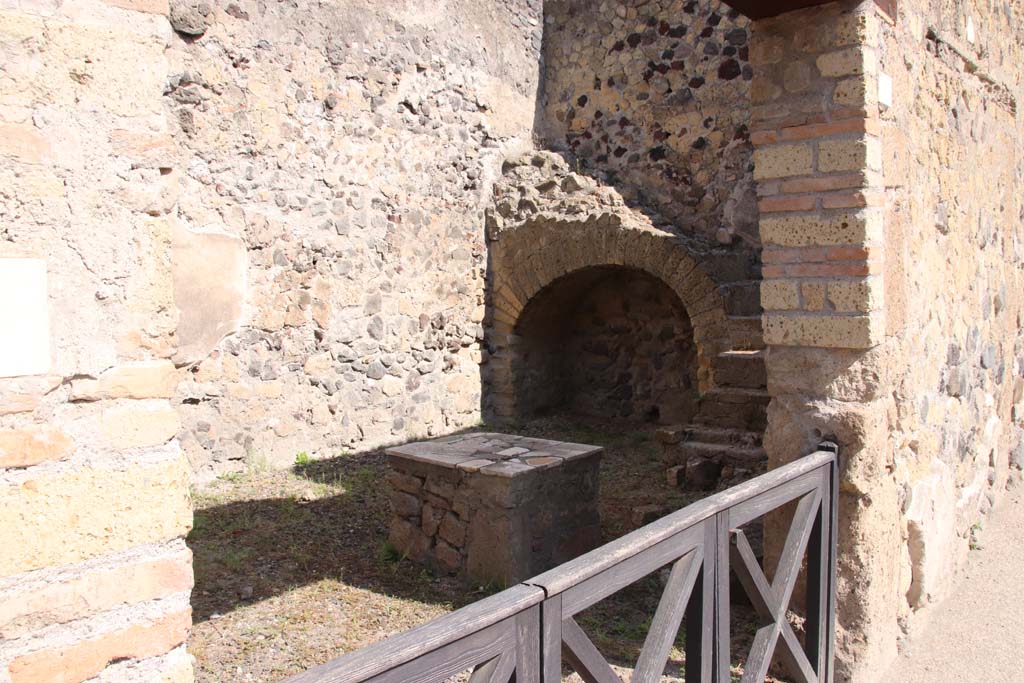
column 497, row 670
column 771, row 600
column 591, row 665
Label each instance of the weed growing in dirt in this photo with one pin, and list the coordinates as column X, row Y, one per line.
column 975, row 541
column 256, row 463
column 390, row 554
column 236, row 558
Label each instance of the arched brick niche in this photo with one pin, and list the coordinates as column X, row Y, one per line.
column 606, row 342
column 549, row 273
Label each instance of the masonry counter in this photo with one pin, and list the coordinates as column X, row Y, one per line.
column 494, row 508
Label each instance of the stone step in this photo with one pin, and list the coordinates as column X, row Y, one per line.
column 734, row 408
column 741, row 368
column 737, row 395
column 746, row 332
column 727, row 454
column 727, row 437
column 682, row 457
column 738, row 437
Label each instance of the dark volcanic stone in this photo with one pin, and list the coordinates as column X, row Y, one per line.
column 729, row 69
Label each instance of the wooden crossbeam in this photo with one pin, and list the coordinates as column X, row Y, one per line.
column 667, row 619
column 771, row 599
column 498, row 670
column 584, row 656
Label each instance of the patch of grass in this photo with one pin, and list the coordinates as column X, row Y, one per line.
column 637, row 438
column 256, row 463
column 302, row 458
column 492, row 587
column 390, row 554
column 360, row 481
column 199, row 528
column 236, row 559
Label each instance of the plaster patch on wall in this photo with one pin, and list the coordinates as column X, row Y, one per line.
column 884, row 90
column 209, row 271
column 25, row 334
column 930, row 514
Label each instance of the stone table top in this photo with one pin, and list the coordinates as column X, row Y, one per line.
column 493, row 454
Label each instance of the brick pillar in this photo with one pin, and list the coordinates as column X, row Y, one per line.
column 94, row 489
column 818, row 167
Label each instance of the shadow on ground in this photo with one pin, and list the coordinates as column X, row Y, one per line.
column 292, row 568
column 327, row 520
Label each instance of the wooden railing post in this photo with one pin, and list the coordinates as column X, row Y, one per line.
column 551, row 640
column 821, row 567
column 528, row 646
column 700, row 613
column 722, row 645
column 828, row 675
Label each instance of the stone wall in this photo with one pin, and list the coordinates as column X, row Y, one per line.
column 955, row 239
column 607, row 343
column 817, row 160
column 94, row 490
column 654, row 97
column 247, row 229
column 335, row 159
column 891, row 219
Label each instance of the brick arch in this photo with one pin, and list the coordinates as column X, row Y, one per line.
column 527, row 259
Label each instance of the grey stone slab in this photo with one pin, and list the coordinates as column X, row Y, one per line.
column 431, row 457
column 453, row 439
column 474, row 465
column 577, row 453
column 492, row 445
column 506, row 469
column 453, row 451
column 537, row 444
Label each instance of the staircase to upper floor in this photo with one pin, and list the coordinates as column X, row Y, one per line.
column 724, row 439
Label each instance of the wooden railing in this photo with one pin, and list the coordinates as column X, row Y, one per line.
column 525, row 632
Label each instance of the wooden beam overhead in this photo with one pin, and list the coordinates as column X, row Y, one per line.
column 762, row 9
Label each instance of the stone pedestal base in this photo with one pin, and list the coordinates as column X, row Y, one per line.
column 492, row 507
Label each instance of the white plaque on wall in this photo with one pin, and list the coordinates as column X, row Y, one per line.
column 24, row 318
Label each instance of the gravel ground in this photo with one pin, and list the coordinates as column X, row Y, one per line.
column 292, row 569
column 977, row 634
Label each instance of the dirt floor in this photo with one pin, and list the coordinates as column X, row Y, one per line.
column 292, row 568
